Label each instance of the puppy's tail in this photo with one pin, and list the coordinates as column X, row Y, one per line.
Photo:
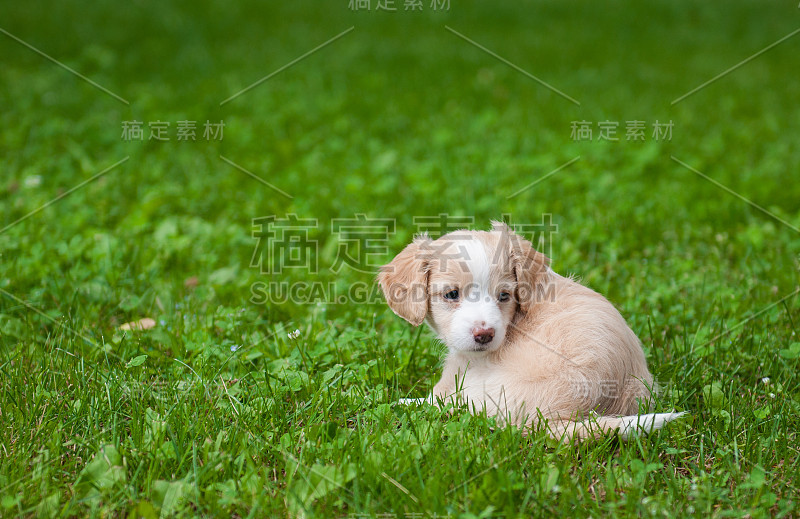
column 596, row 427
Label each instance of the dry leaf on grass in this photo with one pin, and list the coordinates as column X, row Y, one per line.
column 141, row 324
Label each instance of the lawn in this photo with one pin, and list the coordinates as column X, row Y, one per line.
column 266, row 385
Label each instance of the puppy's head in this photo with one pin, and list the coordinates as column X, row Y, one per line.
column 468, row 284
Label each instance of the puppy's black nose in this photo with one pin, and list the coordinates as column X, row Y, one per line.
column 483, row 335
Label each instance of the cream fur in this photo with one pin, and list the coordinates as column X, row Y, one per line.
column 561, row 351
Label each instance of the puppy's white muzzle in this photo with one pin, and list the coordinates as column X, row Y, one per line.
column 477, row 326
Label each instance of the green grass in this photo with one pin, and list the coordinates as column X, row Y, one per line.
column 396, row 119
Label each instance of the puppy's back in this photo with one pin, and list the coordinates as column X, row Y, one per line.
column 580, row 339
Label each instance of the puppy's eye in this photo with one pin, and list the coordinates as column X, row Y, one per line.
column 504, row 296
column 452, row 295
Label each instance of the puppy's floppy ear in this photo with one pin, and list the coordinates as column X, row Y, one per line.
column 404, row 281
column 530, row 266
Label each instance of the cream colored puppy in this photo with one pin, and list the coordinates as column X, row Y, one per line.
column 524, row 343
